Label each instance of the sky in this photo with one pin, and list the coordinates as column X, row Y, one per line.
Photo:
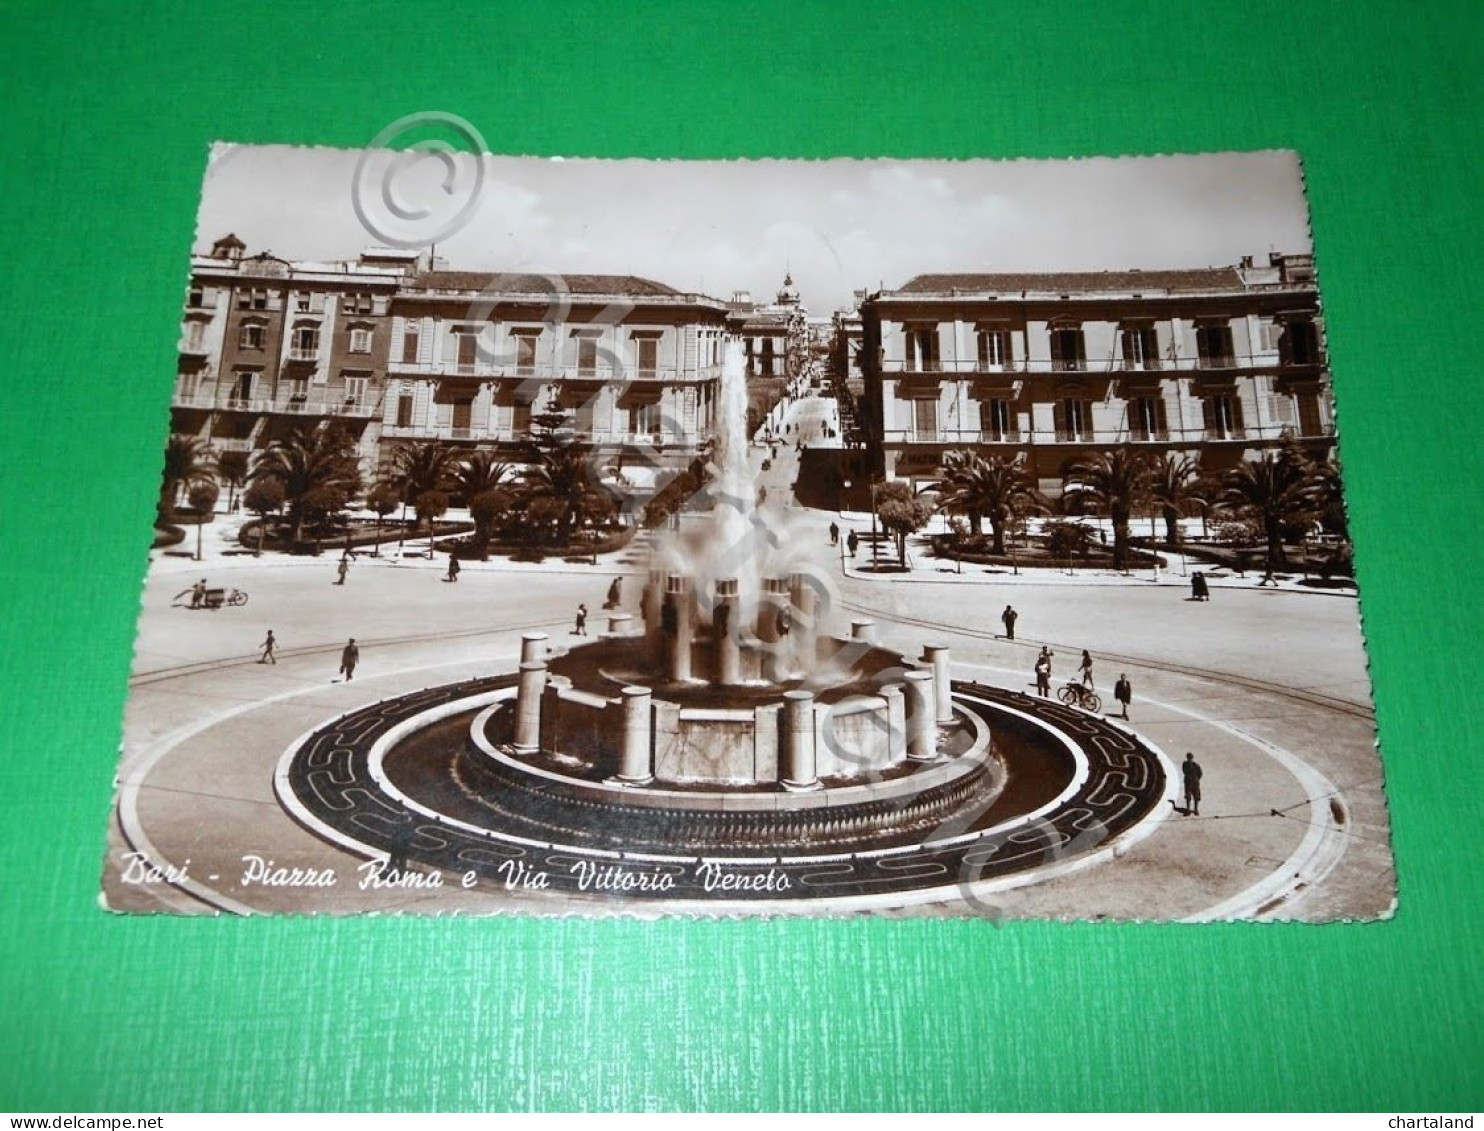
column 721, row 226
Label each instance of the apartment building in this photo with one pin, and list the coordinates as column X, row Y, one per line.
column 1216, row 362
column 397, row 348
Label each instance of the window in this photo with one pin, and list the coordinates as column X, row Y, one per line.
column 355, row 391
column 994, row 349
column 1214, row 346
column 998, row 423
column 1140, row 348
column 301, row 302
column 196, row 297
column 587, row 356
column 1067, row 349
column 253, row 336
column 305, row 342
column 188, row 386
column 404, row 410
column 193, row 333
column 295, row 393
column 357, row 304
column 521, row 415
column 242, row 386
column 468, row 350
column 1308, row 414
column 1299, row 344
column 410, row 342
column 360, row 341
column 646, row 359
column 925, row 419
column 766, row 369
column 647, row 418
column 525, row 354
column 922, row 349
column 1147, row 420
column 1073, row 419
column 1269, row 334
column 253, row 299
column 1223, row 418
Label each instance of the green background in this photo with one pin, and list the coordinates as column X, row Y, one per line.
column 108, row 112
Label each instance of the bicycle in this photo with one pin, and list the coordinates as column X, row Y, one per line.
column 1075, row 695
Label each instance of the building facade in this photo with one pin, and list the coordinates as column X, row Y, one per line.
column 774, row 336
column 396, row 351
column 1214, row 362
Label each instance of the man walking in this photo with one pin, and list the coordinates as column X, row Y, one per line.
column 615, row 594
column 1123, row 691
column 342, row 569
column 581, row 627
column 268, row 645
column 1043, row 673
column 1191, row 769
column 834, row 534
column 349, row 658
column 852, row 542
column 453, row 567
column 198, row 594
column 1009, row 616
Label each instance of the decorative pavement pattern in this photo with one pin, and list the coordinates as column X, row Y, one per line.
column 331, row 779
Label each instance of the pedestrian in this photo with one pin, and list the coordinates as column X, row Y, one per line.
column 1123, row 691
column 1009, row 616
column 834, row 534
column 852, row 542
column 581, row 627
column 1086, row 669
column 1191, row 769
column 350, row 656
column 453, row 566
column 615, row 594
column 268, row 645
column 1198, row 588
column 198, row 594
column 1043, row 674
column 342, row 569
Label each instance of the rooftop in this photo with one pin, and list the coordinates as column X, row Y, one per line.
column 522, row 283
column 1078, row 282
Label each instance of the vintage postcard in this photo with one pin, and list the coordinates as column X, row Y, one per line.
column 585, row 537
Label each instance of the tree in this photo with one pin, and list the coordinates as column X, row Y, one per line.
column 318, row 471
column 1330, row 499
column 561, row 489
column 416, row 468
column 189, row 462
column 1173, row 482
column 263, row 497
column 1112, row 482
column 430, row 507
column 203, row 498
column 993, row 488
column 231, row 468
column 901, row 513
column 490, row 509
column 1277, row 490
column 383, row 499
column 476, row 474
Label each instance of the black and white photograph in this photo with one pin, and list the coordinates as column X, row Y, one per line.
column 750, row 538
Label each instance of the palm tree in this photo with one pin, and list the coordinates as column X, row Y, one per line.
column 1114, row 482
column 477, row 474
column 560, row 486
column 231, row 467
column 189, row 463
column 318, row 471
column 1173, row 482
column 993, row 488
column 1278, row 490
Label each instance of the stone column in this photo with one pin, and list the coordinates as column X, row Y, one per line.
column 533, row 648
column 635, row 763
column 922, row 728
column 938, row 656
column 725, row 630
column 863, row 630
column 796, row 765
column 618, row 624
column 528, row 706
column 804, row 599
column 771, row 608
column 677, row 611
column 650, row 602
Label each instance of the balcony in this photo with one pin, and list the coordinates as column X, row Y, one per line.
column 1258, row 362
column 291, row 404
column 1273, row 433
column 297, row 354
column 495, row 370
